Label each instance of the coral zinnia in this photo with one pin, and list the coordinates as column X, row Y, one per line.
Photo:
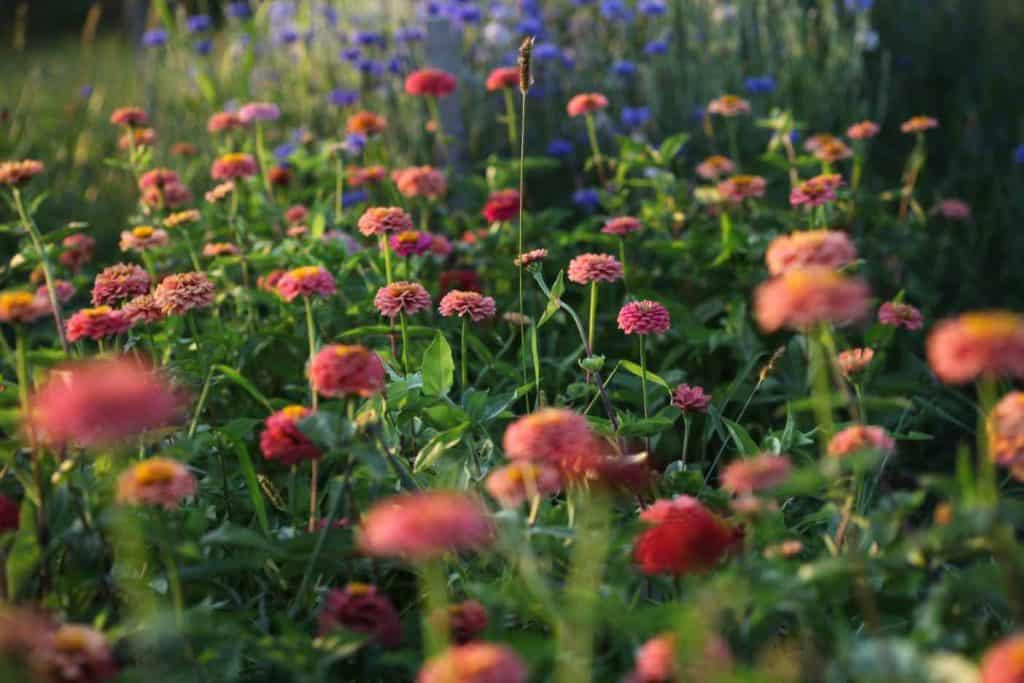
column 401, row 297
column 282, row 440
column 801, row 298
column 741, row 187
column 96, row 323
column 306, row 281
column 919, row 124
column 232, row 166
column 143, row 238
column 852, row 361
column 588, row 268
column 760, row 472
column 119, row 282
column 980, row 343
column 551, row 435
column 532, row 256
column 829, row 248
column 501, row 205
column 586, row 103
column 462, row 303
column 502, row 78
column 129, row 116
column 1005, row 426
column 182, row 292
column 1004, row 661
column 420, row 181
column 378, row 220
column 714, row 167
column 19, row 172
column 865, row 130
column 343, row 370
column 21, row 307
column 361, row 608
column 157, row 482
column 366, row 123
column 729, row 105
column 425, row 525
column 684, row 538
column 430, row 81
column 622, row 225
column 860, row 438
column 99, row 402
column 644, row 317
column 474, row 663
column 818, row 190
column 143, row 309
column 513, row 484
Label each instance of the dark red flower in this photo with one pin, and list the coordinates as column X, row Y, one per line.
column 361, row 608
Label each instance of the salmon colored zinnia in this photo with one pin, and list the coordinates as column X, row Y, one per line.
column 96, row 323
column 799, row 299
column 586, row 103
column 157, row 482
column 803, row 248
column 401, row 297
column 474, row 663
column 860, row 438
column 306, row 281
column 462, row 304
column 980, row 343
column 517, row 482
column 346, row 370
column 425, row 525
column 379, row 220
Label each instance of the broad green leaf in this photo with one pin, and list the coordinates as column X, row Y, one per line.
column 438, row 367
column 438, row 446
column 330, row 431
column 741, row 437
column 638, row 371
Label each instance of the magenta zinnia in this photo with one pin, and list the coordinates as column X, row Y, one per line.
column 644, row 317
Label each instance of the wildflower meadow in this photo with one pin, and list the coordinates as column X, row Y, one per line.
column 508, row 341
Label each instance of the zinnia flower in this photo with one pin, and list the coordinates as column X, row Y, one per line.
column 463, row 620
column 622, row 225
column 501, row 206
column 684, row 538
column 690, row 398
column 586, row 103
column 157, row 482
column 425, row 525
column 129, row 116
column 71, row 653
column 1004, row 661
column 22, row 307
column 143, row 309
column 462, row 303
column 828, row 248
column 551, row 435
column 78, row 251
column 832, row 151
column 138, row 137
column 716, row 166
column 96, row 323
column 296, row 214
column 860, row 438
column 143, row 238
column 420, row 181
column 430, row 81
column 220, row 192
column 898, row 314
column 474, row 663
column 741, row 187
column 100, row 402
column 410, row 242
column 801, row 298
column 378, row 220
column 760, row 472
column 259, row 111
column 954, row 209
column 306, row 281
column 401, row 297
column 361, row 608
column 342, row 370
column 853, row 361
column 233, row 166
column 1006, row 431
column 366, row 123
column 180, row 293
column 656, row 661
column 502, row 78
column 224, row 120
column 282, row 440
column 440, row 246
column 513, row 484
column 644, row 317
column 182, row 218
column 865, row 130
column 588, row 268
column 19, row 172
column 120, row 282
column 529, row 257
column 162, row 188
column 816, row 191
column 357, row 176
column 216, row 249
column 980, row 343
column 729, row 105
column 919, row 124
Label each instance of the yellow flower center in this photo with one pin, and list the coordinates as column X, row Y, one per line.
column 357, row 588
column 156, row 471
column 305, row 272
column 293, row 412
column 97, row 312
column 70, row 638
column 408, row 236
column 13, row 300
column 143, row 231
column 992, row 324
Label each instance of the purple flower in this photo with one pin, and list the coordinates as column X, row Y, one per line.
column 239, row 10
column 154, row 37
column 203, row 47
column 616, row 10
column 199, row 23
column 652, row 8
column 656, row 47
column 411, row 34
column 1018, row 155
column 759, row 85
column 354, row 197
column 587, row 198
column 351, row 54
column 545, row 51
column 560, row 148
column 342, row 98
column 624, row 68
column 635, row 117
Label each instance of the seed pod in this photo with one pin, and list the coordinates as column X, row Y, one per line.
column 526, row 64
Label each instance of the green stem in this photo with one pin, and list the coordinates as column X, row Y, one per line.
column 174, row 583
column 520, row 243
column 261, row 156
column 435, row 608
column 592, row 322
column 386, row 249
column 339, row 185
column 643, row 371
column 51, row 290
column 21, row 368
column 595, row 148
column 988, row 487
column 463, row 370
column 311, row 336
column 622, row 258
column 203, row 395
column 510, row 118
column 405, row 343
column 821, row 392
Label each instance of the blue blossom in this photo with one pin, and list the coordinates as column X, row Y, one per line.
column 354, row 143
column 635, row 117
column 624, row 68
column 282, row 152
column 340, row 97
column 759, row 85
column 432, row 9
column 410, row 34
column 568, row 59
column 587, row 198
column 530, row 26
column 354, row 197
column 330, row 15
column 560, row 148
column 203, row 47
column 154, row 37
column 281, row 10
column 287, row 35
column 198, row 23
column 351, row 54
column 239, row 10
column 698, row 114
column 1018, row 155
column 396, row 65
column 371, row 67
column 85, row 92
column 795, row 136
column 652, row 8
column 656, row 47
column 616, row 10
column 544, row 51
column 369, row 38
column 858, row 5
column 470, row 15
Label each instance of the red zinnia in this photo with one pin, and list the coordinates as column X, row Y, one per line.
column 502, row 205
column 430, row 81
column 685, row 538
column 343, row 370
column 282, row 440
column 586, row 103
column 361, row 608
column 232, row 166
column 502, row 78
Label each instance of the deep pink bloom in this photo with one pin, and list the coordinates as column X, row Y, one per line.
column 473, row 304
column 587, row 268
column 344, row 370
column 430, row 81
column 464, row 621
column 898, row 314
column 425, row 525
column 282, row 440
column 361, row 608
column 129, row 116
column 180, row 293
column 233, row 166
column 586, row 103
column 259, row 111
column 143, row 238
column 379, row 220
column 816, row 191
column 739, row 188
column 644, row 317
column 158, row 482
column 401, row 297
column 120, row 282
column 622, row 225
column 690, row 398
column 96, row 323
column 501, row 205
column 410, row 242
column 306, row 281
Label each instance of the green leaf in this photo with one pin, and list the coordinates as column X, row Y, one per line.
column 438, row 367
column 646, row 427
column 554, row 300
column 671, row 146
column 378, row 330
column 237, row 377
column 638, row 371
column 24, row 554
column 438, row 446
column 331, row 432
column 251, row 483
column 741, row 437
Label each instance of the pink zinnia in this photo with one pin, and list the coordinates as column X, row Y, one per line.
column 361, row 608
column 729, row 105
column 852, row 361
column 1006, row 431
column 78, row 250
column 233, row 166
column 425, row 525
column 410, row 242
column 828, row 248
column 22, row 307
column 96, row 323
column 224, row 120
column 919, row 124
column 462, row 303
column 440, row 246
column 1004, row 661
column 296, row 214
column 100, row 402
column 801, row 298
column 343, row 370
column 216, row 249
column 502, row 205
column 755, row 474
column 474, row 663
column 401, row 297
column 644, row 317
column 515, row 483
column 119, row 282
column 980, row 343
column 860, row 438
column 898, row 314
column 129, row 116
column 586, row 103
column 420, row 181
column 282, row 440
column 19, row 172
column 588, row 268
column 816, row 191
column 143, row 238
column 180, row 293
column 529, row 257
column 430, row 81
column 306, row 281
column 557, row 436
column 379, row 220
column 157, row 482
column 954, row 209
column 259, row 111
column 741, row 187
column 690, row 398
column 143, row 309
column 502, row 78
column 622, row 225
column 865, row 130
column 714, row 167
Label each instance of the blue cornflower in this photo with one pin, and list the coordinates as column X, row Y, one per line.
column 396, row 65
column 282, row 152
column 85, row 92
column 560, row 148
column 635, row 117
column 410, row 34
column 470, row 15
column 530, row 26
column 652, row 8
column 239, row 10
column 287, row 35
column 154, row 37
column 354, row 197
column 354, row 143
column 544, row 51
column 656, row 47
column 198, row 23
column 759, row 85
column 568, row 59
column 587, row 198
column 369, row 38
column 203, row 47
column 858, row 5
column 342, row 98
column 351, row 54
column 795, row 136
column 624, row 68
column 616, row 10
column 371, row 67
column 1018, row 155
column 330, row 15
column 281, row 10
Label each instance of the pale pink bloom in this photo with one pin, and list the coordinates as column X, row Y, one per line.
column 532, row 256
column 716, row 166
column 143, row 309
column 379, row 220
column 980, row 343
column 420, row 181
column 182, row 292
column 799, row 299
column 158, row 482
column 739, row 188
column 425, row 525
column 515, row 483
column 729, row 105
column 143, row 238
column 622, row 225
column 215, row 249
column 800, row 249
column 258, row 111
column 853, row 361
column 401, row 297
column 860, row 438
column 760, row 472
column 588, row 268
column 462, row 303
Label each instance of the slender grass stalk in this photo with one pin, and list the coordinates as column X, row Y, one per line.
column 643, row 372
column 592, row 322
column 314, row 473
column 510, row 118
column 520, row 241
column 51, row 291
column 463, row 369
column 434, row 586
column 988, row 487
column 622, row 259
column 405, row 343
column 261, row 157
column 339, row 187
column 595, row 148
column 386, row 249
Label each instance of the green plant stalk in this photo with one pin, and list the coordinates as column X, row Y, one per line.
column 988, row 487
column 622, row 259
column 386, row 249
column 435, row 115
column 203, row 395
column 261, row 157
column 592, row 321
column 725, row 225
column 51, row 291
column 405, row 343
column 595, row 148
column 314, row 470
column 21, row 368
column 510, row 118
column 435, row 605
column 643, row 372
column 520, row 238
column 339, row 186
column 463, row 367
column 820, row 385
column 173, row 582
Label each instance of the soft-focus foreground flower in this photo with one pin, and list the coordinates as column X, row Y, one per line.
column 129, row 116
column 346, row 370
column 472, row 304
column 557, row 436
column 860, row 438
column 19, row 172
column 379, row 220
column 22, row 307
column 143, row 238
column 741, row 187
column 1004, row 661
column 919, row 124
column 118, row 283
column 828, row 248
column 361, row 608
column 224, row 120
column 180, row 293
column 55, row 653
column 425, row 525
column 420, row 181
column 586, row 103
column 78, row 251
column 864, row 130
column 474, row 663
column 853, row 361
column 366, row 123
column 622, row 225
column 656, row 661
column 980, row 343
column 258, row 111
column 799, row 299
column 401, row 297
column 816, row 191
column 760, row 472
column 896, row 314
column 100, row 402
column 96, row 323
column 430, row 81
column 502, row 78
column 690, row 399
column 644, row 317
column 234, row 166
column 587, row 268
column 519, row 481
column 714, row 167
column 464, row 621
column 157, row 482
column 306, row 281
column 501, row 205
column 1005, row 426
column 684, row 538
column 729, row 105
column 282, row 440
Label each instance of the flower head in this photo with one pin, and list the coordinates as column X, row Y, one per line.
column 157, row 482
column 865, row 130
column 832, row 151
column 463, row 620
column 182, row 218
column 529, row 257
column 644, row 317
column 501, row 205
column 979, row 343
column 1004, row 661
column 129, row 116
column 1005, row 426
column 801, row 298
column 729, row 105
column 182, row 292
column 860, row 438
column 19, row 172
column 410, row 242
column 259, row 111
column 384, row 219
column 296, row 214
column 684, row 538
column 803, row 248
column 588, row 268
column 953, row 209
column 741, row 187
column 586, row 103
column 346, row 370
column 897, row 314
column 420, row 181
column 430, row 81
column 716, row 166
column 401, row 297
column 282, row 440
column 472, row 304
column 556, row 436
column 234, row 166
column 656, row 661
column 143, row 238
column 137, row 137
column 853, row 361
column 361, row 608
column 216, row 249
column 143, row 309
column 622, row 225
column 919, row 124
column 366, row 123
column 78, row 250
column 502, row 78
column 224, row 120
column 816, row 191
column 690, row 399
column 22, row 307
column 474, row 663
column 306, row 281
column 424, row 525
column 517, row 482
column 760, row 472
column 118, row 283
column 219, row 192
column 96, row 323
column 70, row 653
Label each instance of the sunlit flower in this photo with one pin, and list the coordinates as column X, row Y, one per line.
column 760, row 472
column 954, row 209
column 472, row 304
column 384, row 219
column 816, row 191
column 865, row 130
column 157, row 482
column 425, row 525
column 588, row 268
column 502, row 78
column 129, row 116
column 96, row 323
column 143, row 309
column 815, row 142
column 463, row 620
column 430, row 81
column 644, row 317
column 684, row 538
column 1004, row 661
column 896, row 314
column 306, row 281
column 143, row 238
column 215, row 249
column 162, row 188
column 801, row 298
column 803, row 248
column 219, row 192
column 182, row 292
column 282, row 440
column 78, row 251
column 741, row 187
column 532, row 256
column 19, row 172
column 586, row 103
column 515, row 483
column 343, row 370
column 860, row 438
column 729, row 105
column 832, row 151
column 182, row 218
column 296, row 214
column 622, row 225
column 224, row 120
column 137, row 137
column 420, row 181
column 401, row 297
column 100, row 402
column 259, row 111
column 656, row 661
column 366, row 123
column 118, row 283
column 919, row 124
column 410, row 242
column 501, row 205
column 980, row 343
column 690, row 399
column 474, row 663
column 716, row 166
column 21, row 307
column 361, row 608
column 357, row 176
column 1005, row 426
column 853, row 361
column 233, row 166
column 551, row 435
